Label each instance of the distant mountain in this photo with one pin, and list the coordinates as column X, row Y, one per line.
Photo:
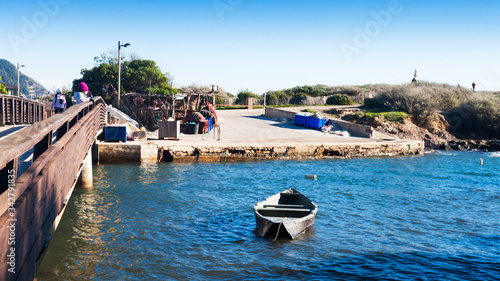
column 8, row 72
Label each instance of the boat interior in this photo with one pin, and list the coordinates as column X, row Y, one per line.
column 290, row 205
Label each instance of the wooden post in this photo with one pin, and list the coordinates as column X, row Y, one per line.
column 14, row 111
column 87, row 178
column 250, row 103
column 23, row 112
column 2, row 111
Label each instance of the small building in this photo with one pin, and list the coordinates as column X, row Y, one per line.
column 11, row 89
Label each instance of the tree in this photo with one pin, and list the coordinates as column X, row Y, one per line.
column 3, row 90
column 243, row 95
column 99, row 77
column 144, row 76
column 138, row 76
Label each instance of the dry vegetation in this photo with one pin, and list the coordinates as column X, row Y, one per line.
column 468, row 113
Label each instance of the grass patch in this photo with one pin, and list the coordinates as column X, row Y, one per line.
column 284, row 105
column 393, row 116
column 308, row 110
column 226, row 107
column 298, row 105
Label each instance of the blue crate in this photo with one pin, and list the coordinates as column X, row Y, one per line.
column 211, row 122
column 115, row 133
column 315, row 123
column 300, row 120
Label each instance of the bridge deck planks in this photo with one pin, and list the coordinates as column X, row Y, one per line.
column 41, row 191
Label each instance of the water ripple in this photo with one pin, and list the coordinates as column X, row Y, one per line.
column 407, row 218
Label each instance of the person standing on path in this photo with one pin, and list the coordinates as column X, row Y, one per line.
column 59, row 102
column 473, row 86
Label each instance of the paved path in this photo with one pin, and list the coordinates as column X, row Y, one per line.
column 8, row 130
column 250, row 128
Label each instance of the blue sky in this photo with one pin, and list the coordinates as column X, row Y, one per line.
column 261, row 45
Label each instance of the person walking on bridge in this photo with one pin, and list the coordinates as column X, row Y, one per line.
column 59, row 102
column 83, row 93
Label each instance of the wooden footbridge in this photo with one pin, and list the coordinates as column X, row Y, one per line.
column 16, row 110
column 39, row 167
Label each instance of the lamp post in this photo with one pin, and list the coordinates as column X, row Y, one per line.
column 265, row 97
column 120, row 69
column 18, row 86
column 214, row 89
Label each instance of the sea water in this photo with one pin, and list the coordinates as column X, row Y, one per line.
column 432, row 217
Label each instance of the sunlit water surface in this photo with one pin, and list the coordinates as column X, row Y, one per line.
column 407, row 218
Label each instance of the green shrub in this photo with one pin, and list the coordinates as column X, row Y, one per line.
column 339, row 99
column 306, row 90
column 298, row 99
column 373, row 103
column 219, row 99
column 417, row 102
column 276, row 97
column 479, row 115
column 243, row 96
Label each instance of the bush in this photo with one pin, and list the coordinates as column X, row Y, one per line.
column 413, row 100
column 243, row 96
column 219, row 99
column 339, row 99
column 373, row 103
column 298, row 99
column 276, row 97
column 306, row 90
column 479, row 115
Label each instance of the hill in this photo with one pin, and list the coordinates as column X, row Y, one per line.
column 8, row 72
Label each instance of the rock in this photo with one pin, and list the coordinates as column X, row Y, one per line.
column 139, row 135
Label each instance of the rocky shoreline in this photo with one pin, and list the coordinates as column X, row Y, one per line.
column 483, row 145
column 437, row 136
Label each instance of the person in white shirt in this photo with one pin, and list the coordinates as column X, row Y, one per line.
column 83, row 93
column 59, row 102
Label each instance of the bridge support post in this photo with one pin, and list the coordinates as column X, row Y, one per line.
column 87, row 177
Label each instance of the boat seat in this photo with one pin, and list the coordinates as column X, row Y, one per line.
column 285, row 194
column 285, row 210
column 288, row 206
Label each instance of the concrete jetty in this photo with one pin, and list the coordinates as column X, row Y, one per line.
column 248, row 135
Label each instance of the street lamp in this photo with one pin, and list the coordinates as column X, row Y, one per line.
column 18, row 86
column 120, row 69
column 214, row 89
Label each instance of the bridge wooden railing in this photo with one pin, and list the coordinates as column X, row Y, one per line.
column 16, row 110
column 29, row 206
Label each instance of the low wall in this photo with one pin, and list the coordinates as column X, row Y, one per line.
column 353, row 129
column 135, row 152
column 279, row 113
column 280, row 152
column 114, row 152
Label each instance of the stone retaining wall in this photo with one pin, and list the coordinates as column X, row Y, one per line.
column 353, row 129
column 242, row 153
